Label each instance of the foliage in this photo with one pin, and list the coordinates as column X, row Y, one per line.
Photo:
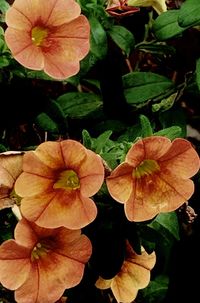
column 140, row 78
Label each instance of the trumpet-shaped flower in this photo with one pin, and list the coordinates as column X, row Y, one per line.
column 134, row 275
column 10, row 169
column 48, row 35
column 57, row 180
column 41, row 263
column 159, row 5
column 154, row 177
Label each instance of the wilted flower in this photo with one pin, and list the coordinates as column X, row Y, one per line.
column 41, row 263
column 10, row 169
column 57, row 180
column 134, row 275
column 48, row 35
column 159, row 5
column 154, row 177
column 120, row 8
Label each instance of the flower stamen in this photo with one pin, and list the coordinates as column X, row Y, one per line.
column 146, row 167
column 38, row 35
column 67, row 179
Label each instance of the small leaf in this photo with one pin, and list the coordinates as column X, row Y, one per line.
column 171, row 133
column 168, row 222
column 87, row 140
column 165, row 103
column 123, row 38
column 166, row 25
column 4, row 6
column 140, row 87
column 102, row 140
column 146, row 126
column 98, row 38
column 46, row 123
column 156, row 291
column 79, row 105
column 189, row 13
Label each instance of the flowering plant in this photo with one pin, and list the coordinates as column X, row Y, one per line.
column 99, row 151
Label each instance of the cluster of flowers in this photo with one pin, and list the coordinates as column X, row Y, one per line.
column 53, row 186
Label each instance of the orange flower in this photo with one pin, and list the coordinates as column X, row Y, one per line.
column 154, row 177
column 57, row 180
column 134, row 275
column 48, row 35
column 10, row 169
column 41, row 263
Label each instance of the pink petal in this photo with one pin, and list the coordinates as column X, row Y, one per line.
column 28, row 185
column 23, row 50
column 74, row 154
column 50, row 153
column 120, row 182
column 71, row 211
column 91, row 174
column 25, row 235
column 14, row 264
column 148, row 148
column 181, row 159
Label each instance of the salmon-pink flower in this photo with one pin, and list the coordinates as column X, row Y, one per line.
column 48, row 35
column 57, row 182
column 133, row 275
column 10, row 169
column 41, row 263
column 154, row 177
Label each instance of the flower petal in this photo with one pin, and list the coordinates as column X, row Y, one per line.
column 50, row 153
column 158, row 193
column 91, row 174
column 23, row 50
column 120, row 182
column 12, row 163
column 62, row 209
column 24, row 234
column 33, row 165
column 181, row 159
column 74, row 154
column 28, row 185
column 57, row 12
column 6, row 180
column 103, row 283
column 148, row 148
column 14, row 262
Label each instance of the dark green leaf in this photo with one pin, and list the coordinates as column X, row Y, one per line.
column 171, row 133
column 146, row 126
column 87, row 140
column 156, row 291
column 189, row 13
column 166, row 222
column 46, row 123
column 166, row 25
column 174, row 117
column 98, row 39
column 140, row 87
column 123, row 38
column 79, row 105
column 198, row 73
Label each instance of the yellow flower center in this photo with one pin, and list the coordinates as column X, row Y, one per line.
column 17, row 199
column 40, row 250
column 67, row 179
column 38, row 35
column 147, row 167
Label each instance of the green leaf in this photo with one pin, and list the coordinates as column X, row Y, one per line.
column 198, row 72
column 157, row 48
column 171, row 133
column 174, row 117
column 87, row 139
column 146, row 126
column 98, row 38
column 4, row 61
column 46, row 123
column 123, row 38
column 189, row 13
column 166, row 25
column 140, row 87
column 166, row 223
column 4, row 6
column 101, row 141
column 156, row 291
column 79, row 105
